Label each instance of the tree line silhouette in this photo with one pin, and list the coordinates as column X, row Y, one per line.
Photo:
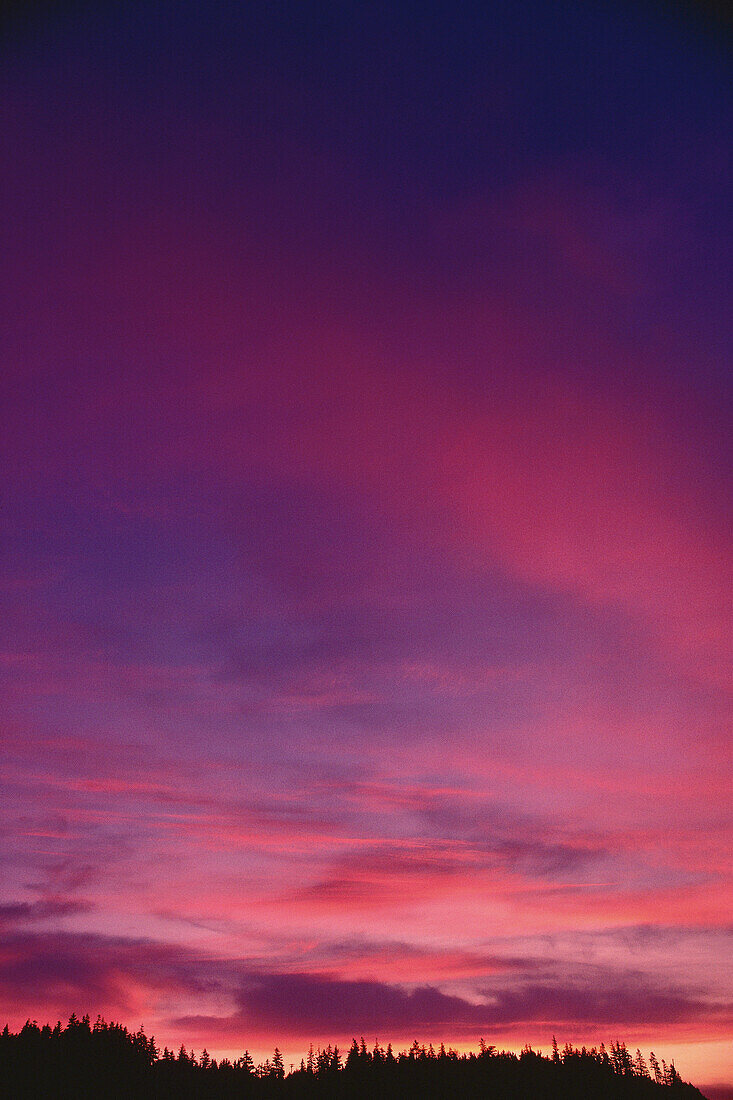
column 105, row 1061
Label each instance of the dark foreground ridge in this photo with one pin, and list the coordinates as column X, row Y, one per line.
column 107, row 1062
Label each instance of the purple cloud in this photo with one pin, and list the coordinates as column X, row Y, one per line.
column 300, row 1003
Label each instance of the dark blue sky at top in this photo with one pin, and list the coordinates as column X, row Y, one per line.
column 446, row 97
column 335, row 128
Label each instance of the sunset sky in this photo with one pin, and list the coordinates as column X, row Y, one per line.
column 365, row 587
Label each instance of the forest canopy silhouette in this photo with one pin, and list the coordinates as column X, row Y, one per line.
column 85, row 1060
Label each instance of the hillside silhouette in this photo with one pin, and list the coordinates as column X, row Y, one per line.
column 105, row 1061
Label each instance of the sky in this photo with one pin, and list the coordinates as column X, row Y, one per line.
column 365, row 528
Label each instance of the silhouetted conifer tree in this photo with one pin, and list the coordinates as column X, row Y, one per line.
column 107, row 1062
